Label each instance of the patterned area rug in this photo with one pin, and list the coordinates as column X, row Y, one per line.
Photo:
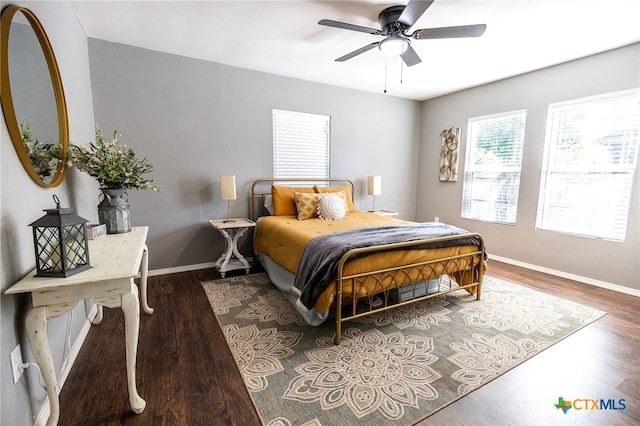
column 396, row 367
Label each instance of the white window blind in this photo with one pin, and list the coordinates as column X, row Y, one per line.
column 492, row 167
column 300, row 144
column 591, row 152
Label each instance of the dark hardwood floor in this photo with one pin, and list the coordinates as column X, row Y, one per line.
column 186, row 373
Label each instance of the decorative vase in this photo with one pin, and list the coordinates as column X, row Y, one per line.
column 113, row 210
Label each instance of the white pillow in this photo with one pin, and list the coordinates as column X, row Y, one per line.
column 331, row 207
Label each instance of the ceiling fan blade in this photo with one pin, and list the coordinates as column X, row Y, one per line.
column 413, row 11
column 345, row 26
column 410, row 57
column 450, row 32
column 358, row 51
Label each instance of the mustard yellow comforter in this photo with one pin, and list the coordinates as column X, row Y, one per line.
column 283, row 239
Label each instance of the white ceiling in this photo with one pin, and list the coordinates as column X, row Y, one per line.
column 283, row 37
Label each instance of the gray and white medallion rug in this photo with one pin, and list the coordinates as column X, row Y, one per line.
column 397, row 367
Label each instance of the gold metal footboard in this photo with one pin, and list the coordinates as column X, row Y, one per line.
column 380, row 290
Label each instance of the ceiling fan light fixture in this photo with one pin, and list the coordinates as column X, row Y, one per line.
column 393, row 46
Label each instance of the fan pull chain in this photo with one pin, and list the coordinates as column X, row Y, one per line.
column 385, row 74
column 401, row 69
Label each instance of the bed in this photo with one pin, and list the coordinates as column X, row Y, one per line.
column 359, row 263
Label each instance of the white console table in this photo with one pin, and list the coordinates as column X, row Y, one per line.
column 115, row 260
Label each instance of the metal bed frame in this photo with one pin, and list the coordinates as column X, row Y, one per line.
column 388, row 286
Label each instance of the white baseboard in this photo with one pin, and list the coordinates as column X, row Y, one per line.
column 43, row 415
column 187, row 268
column 578, row 278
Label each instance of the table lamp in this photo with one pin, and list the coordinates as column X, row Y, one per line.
column 374, row 187
column 228, row 191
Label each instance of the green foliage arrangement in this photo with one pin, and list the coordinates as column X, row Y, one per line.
column 43, row 155
column 113, row 165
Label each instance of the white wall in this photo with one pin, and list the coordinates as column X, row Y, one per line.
column 606, row 261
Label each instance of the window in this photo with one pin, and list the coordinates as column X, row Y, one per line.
column 300, row 144
column 591, row 151
column 492, row 167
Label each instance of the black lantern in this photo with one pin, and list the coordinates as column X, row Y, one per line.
column 60, row 240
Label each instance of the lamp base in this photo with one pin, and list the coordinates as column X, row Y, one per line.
column 228, row 219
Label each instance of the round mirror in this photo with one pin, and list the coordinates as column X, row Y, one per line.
column 32, row 97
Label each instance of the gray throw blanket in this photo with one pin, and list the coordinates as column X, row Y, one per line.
column 319, row 263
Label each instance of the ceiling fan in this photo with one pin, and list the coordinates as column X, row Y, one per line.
column 395, row 22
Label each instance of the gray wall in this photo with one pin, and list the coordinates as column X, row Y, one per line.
column 22, row 201
column 196, row 120
column 606, row 261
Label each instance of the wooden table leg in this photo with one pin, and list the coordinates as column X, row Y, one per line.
column 236, row 252
column 99, row 316
column 144, row 271
column 144, row 268
column 223, row 260
column 36, row 326
column 130, row 307
column 231, row 237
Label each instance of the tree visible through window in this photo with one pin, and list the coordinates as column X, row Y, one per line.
column 492, row 167
column 591, row 152
column 300, row 144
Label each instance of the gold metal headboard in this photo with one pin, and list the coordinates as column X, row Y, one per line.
column 256, row 193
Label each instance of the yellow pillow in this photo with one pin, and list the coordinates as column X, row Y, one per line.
column 345, row 188
column 307, row 204
column 284, row 202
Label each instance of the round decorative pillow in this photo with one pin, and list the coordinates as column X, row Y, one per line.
column 331, row 207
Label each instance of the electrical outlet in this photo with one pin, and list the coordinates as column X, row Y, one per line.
column 16, row 362
column 436, row 219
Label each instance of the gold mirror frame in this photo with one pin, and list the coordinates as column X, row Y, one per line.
column 7, row 99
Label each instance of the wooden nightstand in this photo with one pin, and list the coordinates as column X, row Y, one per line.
column 384, row 212
column 232, row 230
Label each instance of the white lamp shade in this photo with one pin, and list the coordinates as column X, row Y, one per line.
column 374, row 185
column 228, row 187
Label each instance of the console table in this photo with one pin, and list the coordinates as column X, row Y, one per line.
column 115, row 260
